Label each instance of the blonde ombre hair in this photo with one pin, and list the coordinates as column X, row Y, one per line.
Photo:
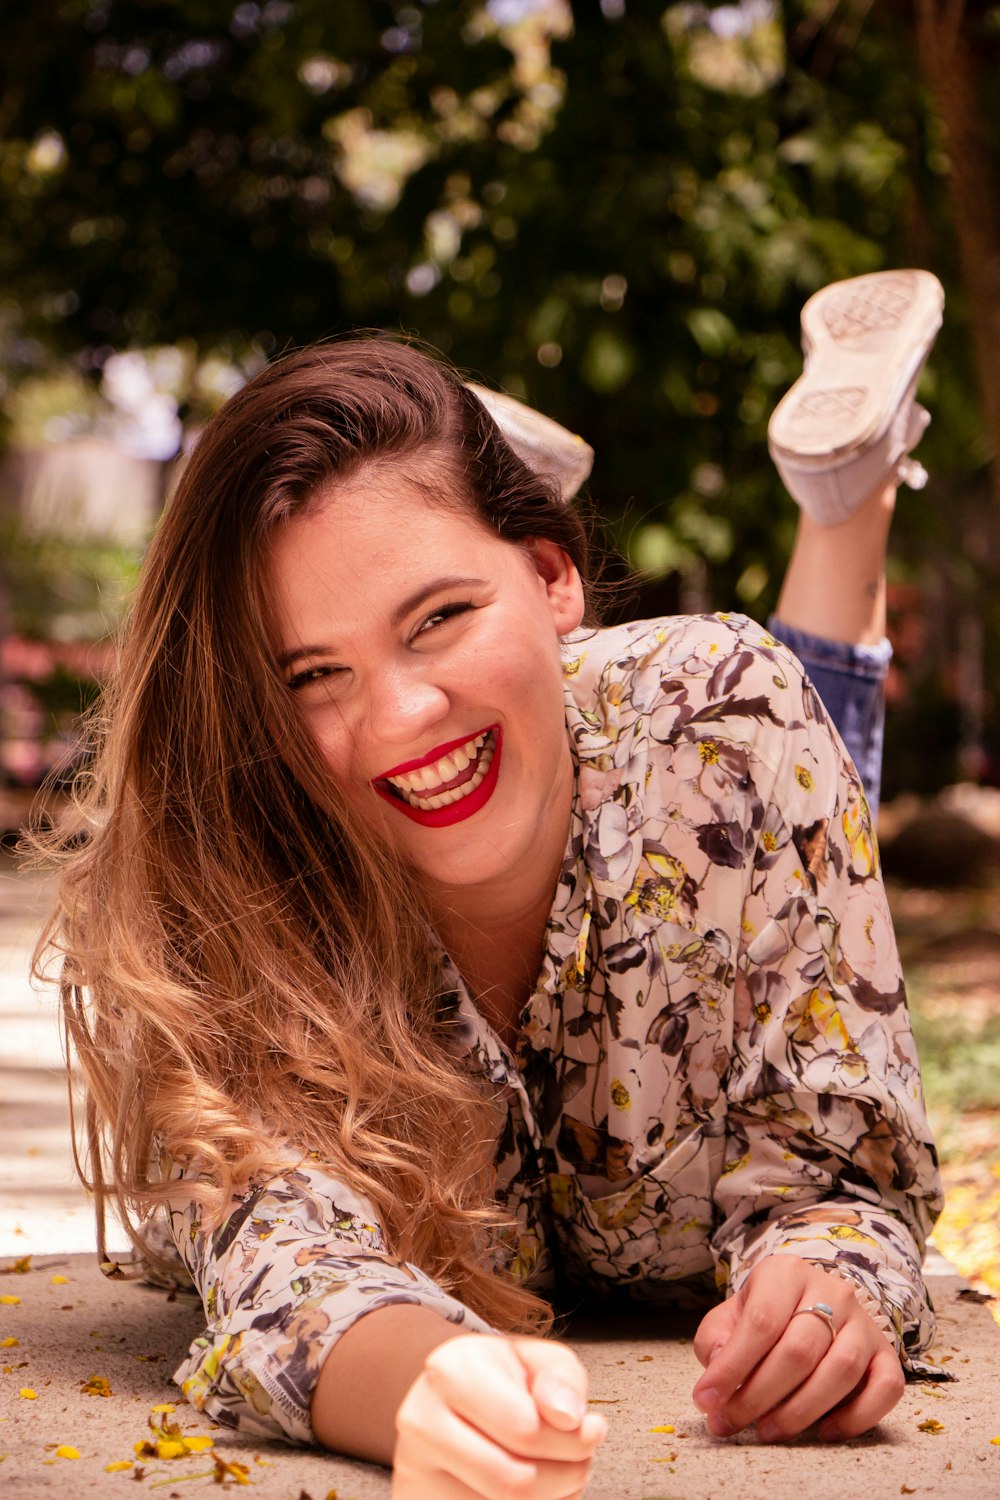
column 241, row 969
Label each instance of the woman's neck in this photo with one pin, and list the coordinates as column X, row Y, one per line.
column 495, row 935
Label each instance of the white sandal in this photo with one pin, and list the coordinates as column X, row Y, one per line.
column 850, row 420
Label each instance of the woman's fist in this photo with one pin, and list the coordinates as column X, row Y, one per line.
column 493, row 1418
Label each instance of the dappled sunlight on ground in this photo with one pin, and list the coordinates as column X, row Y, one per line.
column 950, row 942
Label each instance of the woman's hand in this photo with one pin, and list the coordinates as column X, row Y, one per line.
column 489, row 1418
column 765, row 1365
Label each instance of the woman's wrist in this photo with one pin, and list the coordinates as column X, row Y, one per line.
column 367, row 1374
column 872, row 1305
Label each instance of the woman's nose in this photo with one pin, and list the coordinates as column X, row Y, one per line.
column 404, row 703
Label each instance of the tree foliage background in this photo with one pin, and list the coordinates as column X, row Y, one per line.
column 613, row 210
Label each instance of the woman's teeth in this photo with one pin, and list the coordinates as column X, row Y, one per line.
column 413, row 787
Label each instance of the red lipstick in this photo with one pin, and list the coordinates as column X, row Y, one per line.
column 455, row 812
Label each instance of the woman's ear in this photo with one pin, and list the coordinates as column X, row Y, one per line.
column 561, row 580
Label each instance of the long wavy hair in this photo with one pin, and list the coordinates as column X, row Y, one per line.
column 240, row 972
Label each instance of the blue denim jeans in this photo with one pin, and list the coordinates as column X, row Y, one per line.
column 851, row 682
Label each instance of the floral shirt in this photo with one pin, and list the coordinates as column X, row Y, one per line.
column 715, row 1066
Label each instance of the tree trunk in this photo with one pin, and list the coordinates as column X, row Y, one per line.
column 950, row 61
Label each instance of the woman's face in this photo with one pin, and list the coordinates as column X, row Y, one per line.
column 423, row 655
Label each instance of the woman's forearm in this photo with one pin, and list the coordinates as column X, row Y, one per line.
column 366, row 1375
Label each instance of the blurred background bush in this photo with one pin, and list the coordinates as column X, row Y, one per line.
column 613, row 210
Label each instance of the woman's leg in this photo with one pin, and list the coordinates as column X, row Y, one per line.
column 831, row 612
column 841, row 439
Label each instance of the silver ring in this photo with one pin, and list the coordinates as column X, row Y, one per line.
column 822, row 1310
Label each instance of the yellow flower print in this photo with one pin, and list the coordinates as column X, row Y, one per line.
column 861, row 841
column 198, row 1385
column 620, row 1096
column 813, row 1014
column 574, row 970
column 669, row 887
column 561, row 1195
column 572, row 666
column 666, row 866
column 804, row 778
column 656, row 899
column 611, row 1214
column 526, row 1258
column 846, row 1232
column 709, row 752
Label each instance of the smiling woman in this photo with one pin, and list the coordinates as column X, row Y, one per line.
column 448, row 643
column 431, row 951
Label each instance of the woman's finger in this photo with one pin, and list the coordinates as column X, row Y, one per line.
column 881, row 1390
column 765, row 1307
column 793, row 1362
column 489, row 1383
column 559, row 1383
column 714, row 1330
column 412, row 1484
column 556, row 1379
column 482, row 1379
column 839, row 1372
column 431, row 1438
column 434, row 1440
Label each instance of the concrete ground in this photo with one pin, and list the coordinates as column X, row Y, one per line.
column 62, row 1323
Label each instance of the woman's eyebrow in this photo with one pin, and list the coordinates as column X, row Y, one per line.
column 300, row 653
column 427, row 591
column 411, row 602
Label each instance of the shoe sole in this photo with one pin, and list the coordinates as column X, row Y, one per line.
column 865, row 343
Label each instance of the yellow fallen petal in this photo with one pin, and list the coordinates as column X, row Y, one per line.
column 28, row 1393
column 116, row 1468
column 995, row 1441
column 197, row 1444
column 95, row 1385
column 170, row 1448
column 666, row 1428
column 65, row 1450
column 59, row 1281
column 8, row 1300
column 163, row 1406
column 230, row 1469
column 931, row 1424
column 9, row 1343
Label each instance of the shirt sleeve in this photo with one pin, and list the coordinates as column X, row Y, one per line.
column 297, row 1262
column 828, row 1154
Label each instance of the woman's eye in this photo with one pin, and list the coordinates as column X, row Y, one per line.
column 446, row 612
column 310, row 675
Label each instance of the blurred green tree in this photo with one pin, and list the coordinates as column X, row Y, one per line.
column 613, row 210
